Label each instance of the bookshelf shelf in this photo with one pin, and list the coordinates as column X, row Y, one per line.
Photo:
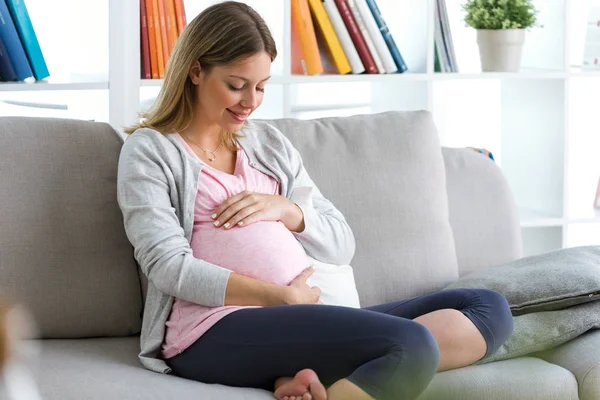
column 41, row 85
column 537, row 122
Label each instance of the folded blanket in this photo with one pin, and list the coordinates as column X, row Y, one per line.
column 552, row 297
column 544, row 330
column 545, row 282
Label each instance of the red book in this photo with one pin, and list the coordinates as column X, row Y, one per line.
column 357, row 37
column 145, row 48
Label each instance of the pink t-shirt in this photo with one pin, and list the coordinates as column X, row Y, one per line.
column 265, row 250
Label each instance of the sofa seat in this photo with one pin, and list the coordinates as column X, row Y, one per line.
column 525, row 378
column 108, row 368
column 580, row 356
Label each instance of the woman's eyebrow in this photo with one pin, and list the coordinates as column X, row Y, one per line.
column 246, row 79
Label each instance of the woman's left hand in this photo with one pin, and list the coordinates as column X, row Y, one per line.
column 247, row 207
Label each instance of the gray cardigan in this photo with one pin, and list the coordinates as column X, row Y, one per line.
column 156, row 189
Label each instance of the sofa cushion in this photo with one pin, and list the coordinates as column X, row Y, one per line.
column 108, row 368
column 522, row 378
column 475, row 186
column 63, row 249
column 385, row 173
column 581, row 356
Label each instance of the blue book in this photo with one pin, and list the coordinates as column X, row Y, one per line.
column 7, row 72
column 14, row 48
column 20, row 16
column 387, row 36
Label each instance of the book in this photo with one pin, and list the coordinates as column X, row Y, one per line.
column 356, row 36
column 344, row 37
column 180, row 13
column 14, row 48
column 331, row 41
column 375, row 34
column 29, row 41
column 152, row 40
column 387, row 36
column 144, row 43
column 367, row 37
column 171, row 21
column 591, row 51
column 163, row 31
column 443, row 38
column 158, row 39
column 306, row 37
column 7, row 72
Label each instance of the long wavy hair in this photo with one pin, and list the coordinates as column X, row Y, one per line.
column 222, row 34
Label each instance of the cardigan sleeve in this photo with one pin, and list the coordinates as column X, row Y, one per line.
column 154, row 230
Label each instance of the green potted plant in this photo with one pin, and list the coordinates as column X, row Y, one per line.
column 501, row 27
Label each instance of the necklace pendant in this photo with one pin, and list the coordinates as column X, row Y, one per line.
column 211, row 157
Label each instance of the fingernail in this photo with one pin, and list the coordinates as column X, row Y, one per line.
column 241, row 223
column 214, row 216
column 226, row 225
column 217, row 223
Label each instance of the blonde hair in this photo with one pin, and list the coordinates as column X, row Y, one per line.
column 222, row 34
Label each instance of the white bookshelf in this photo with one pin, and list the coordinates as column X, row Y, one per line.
column 539, row 123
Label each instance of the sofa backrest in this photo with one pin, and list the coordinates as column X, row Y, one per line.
column 385, row 172
column 483, row 211
column 63, row 250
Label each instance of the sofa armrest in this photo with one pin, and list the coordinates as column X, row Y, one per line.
column 483, row 212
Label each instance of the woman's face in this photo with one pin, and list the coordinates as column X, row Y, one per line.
column 227, row 95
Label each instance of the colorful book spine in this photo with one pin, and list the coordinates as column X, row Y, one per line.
column 181, row 19
column 14, row 47
column 158, row 38
column 152, row 39
column 145, row 44
column 365, row 32
column 357, row 37
column 171, row 20
column 163, row 31
column 387, row 36
column 332, row 42
column 307, row 37
column 29, row 40
column 384, row 52
column 7, row 72
column 344, row 37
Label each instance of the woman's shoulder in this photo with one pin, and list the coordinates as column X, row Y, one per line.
column 150, row 139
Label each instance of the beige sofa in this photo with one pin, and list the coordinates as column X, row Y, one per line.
column 422, row 215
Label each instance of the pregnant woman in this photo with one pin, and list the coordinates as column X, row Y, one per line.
column 216, row 208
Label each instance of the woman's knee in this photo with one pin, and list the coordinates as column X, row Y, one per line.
column 495, row 311
column 418, row 345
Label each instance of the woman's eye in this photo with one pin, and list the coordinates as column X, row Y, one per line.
column 235, row 88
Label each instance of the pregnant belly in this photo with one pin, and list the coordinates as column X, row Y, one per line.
column 265, row 250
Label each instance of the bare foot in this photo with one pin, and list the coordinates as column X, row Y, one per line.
column 304, row 386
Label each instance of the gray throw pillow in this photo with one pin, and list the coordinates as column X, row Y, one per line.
column 551, row 281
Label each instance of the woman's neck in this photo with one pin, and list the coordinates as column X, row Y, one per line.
column 204, row 135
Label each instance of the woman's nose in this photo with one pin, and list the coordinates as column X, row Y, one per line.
column 250, row 100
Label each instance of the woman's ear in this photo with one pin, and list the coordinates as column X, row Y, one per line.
column 195, row 73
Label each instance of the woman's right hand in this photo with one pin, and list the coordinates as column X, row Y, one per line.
column 300, row 292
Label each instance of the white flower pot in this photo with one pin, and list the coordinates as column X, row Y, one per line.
column 500, row 49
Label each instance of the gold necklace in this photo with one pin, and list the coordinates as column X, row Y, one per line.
column 214, row 156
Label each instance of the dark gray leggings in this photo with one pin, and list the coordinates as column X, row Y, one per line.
column 379, row 348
